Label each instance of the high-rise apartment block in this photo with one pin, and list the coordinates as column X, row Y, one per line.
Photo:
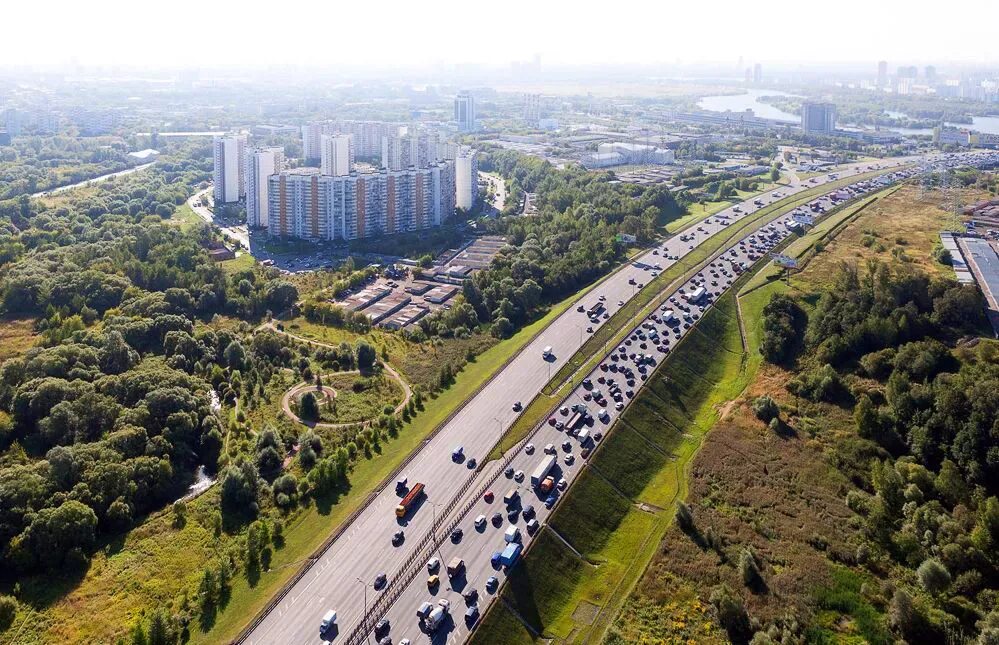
column 818, row 117
column 532, row 109
column 368, row 136
column 230, row 164
column 757, row 74
column 882, row 74
column 417, row 150
column 261, row 163
column 306, row 204
column 312, row 140
column 337, row 155
column 466, row 179
column 464, row 111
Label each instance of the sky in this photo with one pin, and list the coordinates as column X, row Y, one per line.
column 212, row 33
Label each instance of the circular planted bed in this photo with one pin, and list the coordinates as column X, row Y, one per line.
column 346, row 398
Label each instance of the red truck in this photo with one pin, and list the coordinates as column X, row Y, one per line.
column 414, row 494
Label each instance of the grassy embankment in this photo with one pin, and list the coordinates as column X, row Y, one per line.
column 744, row 472
column 618, row 511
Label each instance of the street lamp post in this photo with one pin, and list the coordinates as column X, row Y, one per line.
column 364, row 615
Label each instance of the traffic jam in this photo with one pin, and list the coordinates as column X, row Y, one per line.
column 494, row 533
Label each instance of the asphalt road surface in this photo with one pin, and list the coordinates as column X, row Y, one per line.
column 623, row 369
column 364, row 550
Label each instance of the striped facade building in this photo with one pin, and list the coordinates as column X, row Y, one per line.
column 306, row 204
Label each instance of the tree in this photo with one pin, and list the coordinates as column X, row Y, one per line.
column 308, row 407
column 159, row 629
column 731, row 614
column 933, row 575
column 235, row 356
column 366, row 356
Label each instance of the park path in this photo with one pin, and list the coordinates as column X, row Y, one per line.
column 286, row 399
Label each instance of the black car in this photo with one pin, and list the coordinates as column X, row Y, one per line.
column 470, row 595
column 497, row 518
column 382, row 627
column 398, row 538
column 456, row 534
column 528, row 512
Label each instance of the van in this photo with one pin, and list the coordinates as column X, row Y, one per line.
column 512, row 534
column 547, row 352
column 511, row 496
column 328, row 621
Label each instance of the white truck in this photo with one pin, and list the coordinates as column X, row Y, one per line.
column 437, row 616
column 328, row 621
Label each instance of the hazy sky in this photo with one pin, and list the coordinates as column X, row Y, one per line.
column 355, row 32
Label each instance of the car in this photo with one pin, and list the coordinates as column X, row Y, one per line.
column 561, row 485
column 620, row 303
column 433, row 564
column 456, row 534
column 528, row 512
column 380, row 580
column 585, row 452
column 532, row 526
column 471, row 615
column 457, row 453
column 550, row 449
column 559, row 425
column 509, row 471
column 382, row 627
column 433, row 581
column 488, row 496
column 496, row 560
column 517, row 406
column 589, row 330
column 580, row 308
column 470, row 594
column 564, row 410
column 470, row 463
column 480, row 522
column 567, row 446
column 619, row 406
column 398, row 537
column 529, row 448
column 550, row 500
column 569, row 459
column 492, row 583
column 552, row 421
column 602, row 298
column 518, row 476
column 497, row 518
column 513, row 514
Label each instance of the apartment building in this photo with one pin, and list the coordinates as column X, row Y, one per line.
column 464, row 111
column 337, row 154
column 261, row 163
column 309, row 205
column 466, row 173
column 419, row 150
column 312, row 140
column 229, row 152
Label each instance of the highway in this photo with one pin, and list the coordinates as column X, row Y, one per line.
column 624, row 368
column 342, row 575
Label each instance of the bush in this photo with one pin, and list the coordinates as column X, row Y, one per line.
column 933, row 575
column 765, row 408
column 8, row 610
column 783, row 321
column 731, row 614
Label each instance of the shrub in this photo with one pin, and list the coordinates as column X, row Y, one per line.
column 8, row 610
column 765, row 408
column 933, row 575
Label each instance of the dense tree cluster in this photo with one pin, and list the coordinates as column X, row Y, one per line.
column 35, row 163
column 929, row 417
column 572, row 241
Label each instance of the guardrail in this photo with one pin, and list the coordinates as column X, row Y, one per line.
column 431, row 542
column 317, row 554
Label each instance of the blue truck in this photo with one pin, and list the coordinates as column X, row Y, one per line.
column 510, row 554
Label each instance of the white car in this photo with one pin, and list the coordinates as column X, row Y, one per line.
column 519, row 476
column 433, row 564
column 480, row 521
column 529, row 448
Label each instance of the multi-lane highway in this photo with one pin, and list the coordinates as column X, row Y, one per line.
column 605, row 392
column 343, row 575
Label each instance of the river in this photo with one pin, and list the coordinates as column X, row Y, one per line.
column 748, row 100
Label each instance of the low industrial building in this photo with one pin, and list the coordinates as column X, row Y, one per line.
column 365, row 298
column 386, row 306
column 405, row 317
